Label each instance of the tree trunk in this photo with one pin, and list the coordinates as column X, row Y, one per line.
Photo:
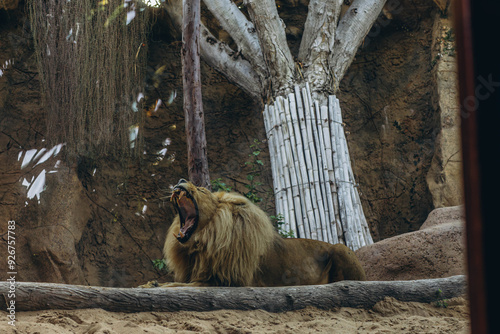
column 42, row 296
column 272, row 37
column 193, row 106
column 312, row 170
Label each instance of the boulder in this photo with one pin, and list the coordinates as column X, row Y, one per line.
column 436, row 250
column 441, row 216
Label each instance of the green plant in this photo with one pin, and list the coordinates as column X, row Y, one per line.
column 218, row 185
column 279, row 222
column 255, row 164
column 440, row 302
column 449, row 35
column 160, row 264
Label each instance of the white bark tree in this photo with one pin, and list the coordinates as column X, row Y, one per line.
column 313, row 180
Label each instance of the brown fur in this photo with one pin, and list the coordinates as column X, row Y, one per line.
column 235, row 244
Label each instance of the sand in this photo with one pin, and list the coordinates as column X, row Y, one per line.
column 388, row 316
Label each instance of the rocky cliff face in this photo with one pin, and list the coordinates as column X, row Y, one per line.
column 400, row 105
column 103, row 222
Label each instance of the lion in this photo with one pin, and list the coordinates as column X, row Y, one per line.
column 223, row 239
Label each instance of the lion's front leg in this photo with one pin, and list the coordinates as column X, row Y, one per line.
column 155, row 284
column 178, row 284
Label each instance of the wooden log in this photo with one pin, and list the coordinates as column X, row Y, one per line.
column 31, row 296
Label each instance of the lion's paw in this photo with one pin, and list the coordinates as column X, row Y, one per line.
column 150, row 284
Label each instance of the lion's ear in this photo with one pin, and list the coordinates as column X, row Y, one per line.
column 235, row 199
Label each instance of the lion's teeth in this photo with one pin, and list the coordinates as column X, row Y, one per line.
column 181, row 234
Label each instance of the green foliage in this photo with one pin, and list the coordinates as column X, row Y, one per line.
column 160, row 264
column 255, row 164
column 440, row 302
column 218, row 185
column 279, row 222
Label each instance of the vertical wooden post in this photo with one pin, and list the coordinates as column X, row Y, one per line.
column 479, row 84
column 193, row 106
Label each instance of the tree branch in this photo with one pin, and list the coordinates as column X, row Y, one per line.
column 31, row 296
column 241, row 30
column 237, row 70
column 351, row 31
column 272, row 37
column 220, row 57
column 318, row 42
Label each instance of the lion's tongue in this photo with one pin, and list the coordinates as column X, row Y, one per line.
column 187, row 225
column 188, row 211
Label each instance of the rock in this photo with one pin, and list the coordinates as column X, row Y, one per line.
column 436, row 250
column 452, row 214
column 9, row 4
column 444, row 177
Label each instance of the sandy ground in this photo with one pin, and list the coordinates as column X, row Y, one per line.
column 388, row 316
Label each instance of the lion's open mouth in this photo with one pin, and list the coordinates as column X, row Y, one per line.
column 188, row 212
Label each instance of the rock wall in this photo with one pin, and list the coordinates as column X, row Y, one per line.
column 445, row 174
column 386, row 97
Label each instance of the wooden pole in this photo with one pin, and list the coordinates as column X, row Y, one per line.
column 479, row 88
column 193, row 106
column 296, row 113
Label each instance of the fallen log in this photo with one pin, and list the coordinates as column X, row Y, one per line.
column 30, row 296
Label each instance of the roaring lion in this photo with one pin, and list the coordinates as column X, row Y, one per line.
column 222, row 239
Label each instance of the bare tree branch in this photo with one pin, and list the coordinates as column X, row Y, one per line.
column 241, row 30
column 220, row 57
column 272, row 37
column 351, row 31
column 237, row 70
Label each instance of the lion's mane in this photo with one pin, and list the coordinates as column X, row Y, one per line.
column 227, row 248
